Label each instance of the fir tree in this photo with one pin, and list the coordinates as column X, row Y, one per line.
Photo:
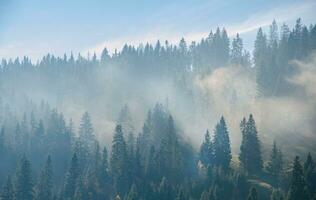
column 298, row 188
column 7, row 191
column 222, row 151
column 71, row 178
column 310, row 174
column 119, row 162
column 251, row 150
column 275, row 164
column 237, row 51
column 45, row 183
column 24, row 182
column 206, row 150
column 86, row 132
column 244, row 144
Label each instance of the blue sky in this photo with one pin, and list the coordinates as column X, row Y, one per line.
column 37, row 27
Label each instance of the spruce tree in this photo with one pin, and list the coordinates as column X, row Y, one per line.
column 45, row 183
column 275, row 164
column 86, row 132
column 119, row 162
column 310, row 174
column 243, row 146
column 71, row 178
column 298, row 187
column 222, row 151
column 237, row 51
column 253, row 194
column 7, row 191
column 260, row 61
column 206, row 150
column 250, row 150
column 24, row 181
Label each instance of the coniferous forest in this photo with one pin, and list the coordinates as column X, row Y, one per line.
column 205, row 120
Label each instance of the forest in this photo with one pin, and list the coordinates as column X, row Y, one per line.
column 201, row 121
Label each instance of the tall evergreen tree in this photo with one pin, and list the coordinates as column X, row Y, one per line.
column 237, row 50
column 310, row 174
column 119, row 162
column 298, row 188
column 206, row 150
column 251, row 151
column 71, row 178
column 260, row 59
column 222, row 151
column 24, row 181
column 7, row 191
column 275, row 164
column 86, row 132
column 45, row 183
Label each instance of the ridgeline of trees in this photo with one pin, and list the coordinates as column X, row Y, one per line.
column 43, row 157
column 271, row 56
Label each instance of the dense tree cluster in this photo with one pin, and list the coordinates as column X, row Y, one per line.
column 157, row 163
column 44, row 157
column 273, row 53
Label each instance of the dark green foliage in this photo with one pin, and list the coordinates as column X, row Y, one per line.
column 310, row 174
column 24, row 181
column 222, row 151
column 71, row 178
column 206, row 150
column 275, row 164
column 253, row 195
column 298, row 187
column 160, row 163
column 119, row 162
column 45, row 182
column 7, row 192
column 250, row 155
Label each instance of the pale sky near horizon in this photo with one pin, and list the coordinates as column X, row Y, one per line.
column 37, row 27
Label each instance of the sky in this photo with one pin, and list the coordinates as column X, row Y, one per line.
column 37, row 27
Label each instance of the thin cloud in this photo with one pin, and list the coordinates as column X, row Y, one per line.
column 252, row 23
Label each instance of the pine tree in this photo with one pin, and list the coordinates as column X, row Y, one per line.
column 7, row 191
column 118, row 162
column 71, row 178
column 243, row 146
column 45, row 183
column 251, row 152
column 253, row 195
column 105, row 57
column 86, row 132
column 310, row 174
column 222, row 151
column 206, row 150
column 260, row 55
column 237, row 51
column 275, row 164
column 169, row 155
column 24, row 182
column 298, row 188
